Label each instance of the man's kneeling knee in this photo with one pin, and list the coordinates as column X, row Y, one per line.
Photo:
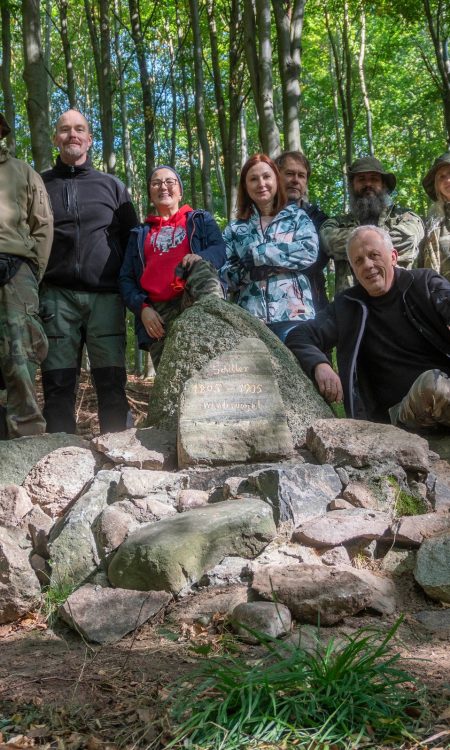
column 426, row 404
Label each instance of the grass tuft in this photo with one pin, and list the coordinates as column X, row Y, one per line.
column 338, row 696
column 406, row 504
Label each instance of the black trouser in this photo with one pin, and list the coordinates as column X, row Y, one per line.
column 60, row 393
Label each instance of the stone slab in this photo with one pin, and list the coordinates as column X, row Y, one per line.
column 232, row 411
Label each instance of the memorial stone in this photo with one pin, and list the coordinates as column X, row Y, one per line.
column 231, row 411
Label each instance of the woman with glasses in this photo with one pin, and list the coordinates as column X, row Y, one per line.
column 269, row 245
column 435, row 252
column 171, row 260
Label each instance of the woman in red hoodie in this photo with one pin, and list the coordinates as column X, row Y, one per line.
column 171, row 260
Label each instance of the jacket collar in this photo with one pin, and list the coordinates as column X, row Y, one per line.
column 4, row 153
column 66, row 169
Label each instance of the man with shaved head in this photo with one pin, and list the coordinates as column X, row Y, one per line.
column 80, row 301
column 392, row 338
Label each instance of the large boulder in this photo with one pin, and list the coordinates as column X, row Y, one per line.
column 175, row 552
column 18, row 456
column 209, row 328
column 432, row 571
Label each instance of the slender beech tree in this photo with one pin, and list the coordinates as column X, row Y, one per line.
column 146, row 87
column 289, row 25
column 202, row 133
column 339, row 38
column 35, row 77
column 362, row 80
column 63, row 6
column 438, row 19
column 181, row 60
column 5, row 76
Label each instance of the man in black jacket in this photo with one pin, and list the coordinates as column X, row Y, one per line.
column 80, row 302
column 392, row 336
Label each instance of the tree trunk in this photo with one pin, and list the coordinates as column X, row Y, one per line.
column 147, row 94
column 202, row 134
column 362, row 79
column 65, row 41
column 259, row 62
column 5, row 76
column 106, row 91
column 342, row 59
column 128, row 160
column 186, row 118
column 439, row 32
column 289, row 25
column 35, row 77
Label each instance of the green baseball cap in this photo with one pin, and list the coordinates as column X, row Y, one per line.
column 370, row 164
column 428, row 180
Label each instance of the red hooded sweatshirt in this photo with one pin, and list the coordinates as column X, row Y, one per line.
column 165, row 246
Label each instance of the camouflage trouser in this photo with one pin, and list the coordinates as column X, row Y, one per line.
column 427, row 403
column 201, row 281
column 343, row 277
column 23, row 345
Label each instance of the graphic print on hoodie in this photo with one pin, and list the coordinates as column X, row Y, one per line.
column 165, row 246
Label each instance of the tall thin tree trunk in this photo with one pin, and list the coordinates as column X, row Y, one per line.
column 5, row 76
column 67, row 52
column 289, row 25
column 106, row 92
column 186, row 118
column 202, row 134
column 126, row 139
column 147, row 95
column 362, row 79
column 35, row 77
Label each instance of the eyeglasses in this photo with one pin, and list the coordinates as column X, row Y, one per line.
column 168, row 182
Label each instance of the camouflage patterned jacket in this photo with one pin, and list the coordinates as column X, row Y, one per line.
column 405, row 229
column 435, row 250
column 264, row 267
column 26, row 216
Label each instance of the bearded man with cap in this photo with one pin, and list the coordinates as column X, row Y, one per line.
column 25, row 242
column 370, row 187
column 80, row 300
column 171, row 260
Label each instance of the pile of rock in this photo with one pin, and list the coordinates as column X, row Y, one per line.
column 319, row 533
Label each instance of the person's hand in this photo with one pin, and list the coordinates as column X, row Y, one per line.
column 189, row 260
column 152, row 322
column 329, row 384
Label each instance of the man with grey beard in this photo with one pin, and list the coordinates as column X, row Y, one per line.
column 370, row 187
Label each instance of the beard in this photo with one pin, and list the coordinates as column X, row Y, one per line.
column 367, row 206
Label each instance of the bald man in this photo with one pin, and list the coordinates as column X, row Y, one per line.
column 80, row 301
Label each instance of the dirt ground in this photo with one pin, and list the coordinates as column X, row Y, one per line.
column 58, row 692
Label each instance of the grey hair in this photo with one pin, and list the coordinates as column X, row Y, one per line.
column 369, row 228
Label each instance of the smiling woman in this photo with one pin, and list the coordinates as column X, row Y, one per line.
column 268, row 247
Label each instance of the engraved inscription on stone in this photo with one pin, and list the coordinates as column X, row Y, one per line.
column 232, row 410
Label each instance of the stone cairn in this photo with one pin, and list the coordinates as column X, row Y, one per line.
column 301, row 518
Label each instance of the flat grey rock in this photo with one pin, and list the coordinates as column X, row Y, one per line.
column 105, row 615
column 146, row 448
column 432, row 571
column 296, row 492
column 413, row 530
column 359, row 443
column 19, row 587
column 267, row 618
column 339, row 527
column 164, row 486
column 436, row 622
column 174, row 553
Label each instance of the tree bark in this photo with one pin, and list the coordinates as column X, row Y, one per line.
column 128, row 160
column 5, row 76
column 186, row 118
column 362, row 79
column 147, row 94
column 67, row 52
column 439, row 32
column 342, row 60
column 289, row 25
column 202, row 134
column 35, row 77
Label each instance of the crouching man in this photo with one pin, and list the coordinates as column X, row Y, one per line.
column 392, row 338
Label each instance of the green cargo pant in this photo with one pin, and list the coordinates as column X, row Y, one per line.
column 427, row 403
column 23, row 345
column 201, row 281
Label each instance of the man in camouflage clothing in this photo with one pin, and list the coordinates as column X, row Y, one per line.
column 25, row 242
column 392, row 338
column 370, row 188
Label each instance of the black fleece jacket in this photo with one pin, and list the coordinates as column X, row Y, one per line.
column 93, row 216
column 426, row 299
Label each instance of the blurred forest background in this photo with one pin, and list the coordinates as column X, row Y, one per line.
column 202, row 84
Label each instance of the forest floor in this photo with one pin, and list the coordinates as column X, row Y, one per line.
column 58, row 692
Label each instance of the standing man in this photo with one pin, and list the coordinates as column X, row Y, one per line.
column 295, row 171
column 370, row 188
column 80, row 301
column 25, row 242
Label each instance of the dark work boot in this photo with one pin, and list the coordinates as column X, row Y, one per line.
column 112, row 401
column 59, row 396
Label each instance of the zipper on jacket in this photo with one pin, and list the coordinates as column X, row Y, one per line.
column 74, row 197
